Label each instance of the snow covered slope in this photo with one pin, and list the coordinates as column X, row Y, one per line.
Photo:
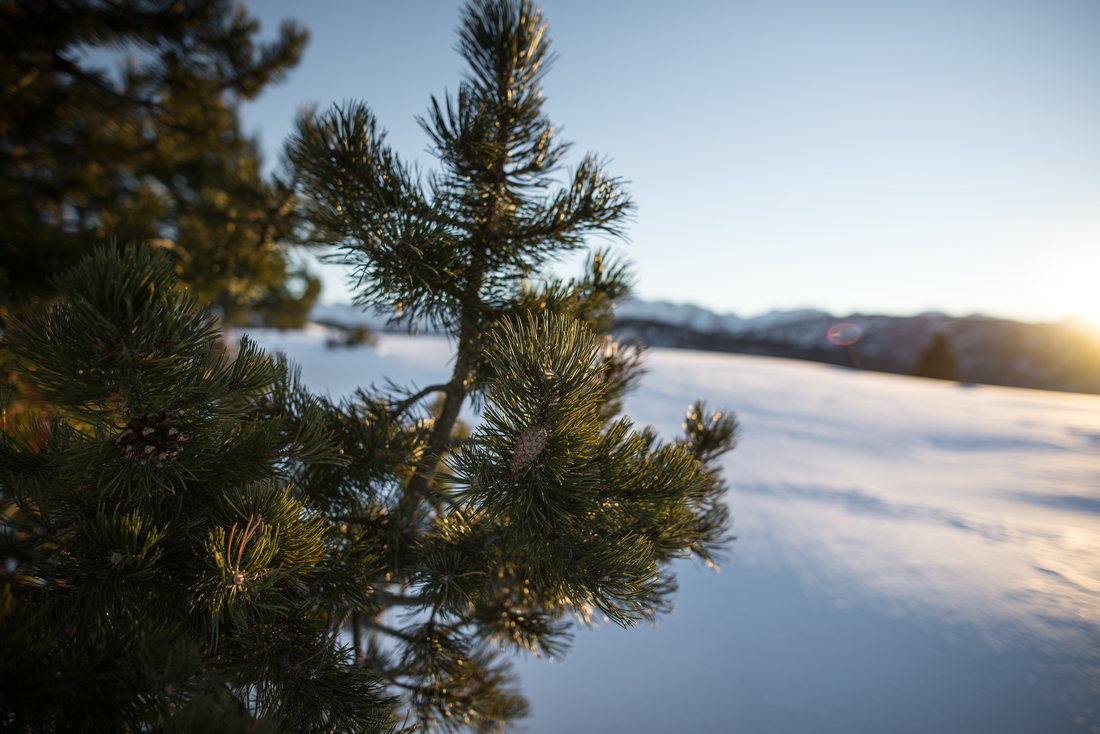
column 912, row 556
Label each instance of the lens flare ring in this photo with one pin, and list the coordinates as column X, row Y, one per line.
column 844, row 334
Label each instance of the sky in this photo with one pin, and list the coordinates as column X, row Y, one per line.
column 851, row 156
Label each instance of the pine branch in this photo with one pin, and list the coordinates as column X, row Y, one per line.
column 416, row 397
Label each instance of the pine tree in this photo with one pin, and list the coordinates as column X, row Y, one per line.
column 193, row 540
column 160, row 568
column 937, row 360
column 153, row 153
column 554, row 508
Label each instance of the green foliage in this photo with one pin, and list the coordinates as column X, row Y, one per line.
column 554, row 509
column 192, row 540
column 153, row 153
column 161, row 558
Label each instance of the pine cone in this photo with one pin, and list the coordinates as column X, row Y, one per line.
column 528, row 447
column 152, row 437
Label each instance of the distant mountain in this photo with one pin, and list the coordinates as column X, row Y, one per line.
column 1061, row 356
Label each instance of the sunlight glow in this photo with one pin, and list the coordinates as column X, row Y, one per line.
column 1076, row 288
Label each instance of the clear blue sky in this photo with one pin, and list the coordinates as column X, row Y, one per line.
column 879, row 156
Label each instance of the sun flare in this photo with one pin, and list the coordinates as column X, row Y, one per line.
column 1077, row 288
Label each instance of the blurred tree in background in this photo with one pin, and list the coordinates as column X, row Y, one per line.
column 152, row 152
column 937, row 360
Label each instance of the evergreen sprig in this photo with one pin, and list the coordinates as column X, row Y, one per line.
column 554, row 509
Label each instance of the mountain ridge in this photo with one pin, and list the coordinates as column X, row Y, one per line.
column 1062, row 356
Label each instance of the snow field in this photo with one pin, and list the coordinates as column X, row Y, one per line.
column 912, row 555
